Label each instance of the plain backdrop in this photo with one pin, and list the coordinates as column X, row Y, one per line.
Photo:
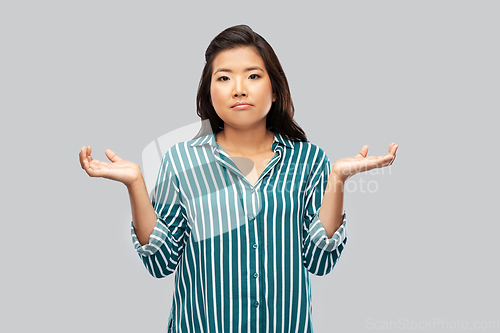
column 423, row 234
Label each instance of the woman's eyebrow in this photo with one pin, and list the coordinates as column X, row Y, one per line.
column 247, row 70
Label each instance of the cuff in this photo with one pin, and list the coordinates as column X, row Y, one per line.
column 320, row 238
column 156, row 239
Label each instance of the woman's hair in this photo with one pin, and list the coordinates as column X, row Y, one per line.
column 280, row 116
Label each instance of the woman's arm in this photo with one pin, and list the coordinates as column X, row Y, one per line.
column 143, row 215
column 331, row 213
column 158, row 227
column 321, row 251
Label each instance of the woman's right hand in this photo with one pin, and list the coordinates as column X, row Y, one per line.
column 120, row 170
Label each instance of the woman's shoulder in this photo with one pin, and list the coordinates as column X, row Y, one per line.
column 182, row 150
column 309, row 149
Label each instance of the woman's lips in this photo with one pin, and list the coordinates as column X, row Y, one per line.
column 241, row 106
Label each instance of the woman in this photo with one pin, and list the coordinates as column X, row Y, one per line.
column 236, row 210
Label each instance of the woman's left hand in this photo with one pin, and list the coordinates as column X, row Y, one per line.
column 349, row 166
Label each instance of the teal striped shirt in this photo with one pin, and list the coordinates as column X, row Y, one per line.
column 241, row 253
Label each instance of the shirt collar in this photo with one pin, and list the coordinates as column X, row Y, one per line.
column 211, row 140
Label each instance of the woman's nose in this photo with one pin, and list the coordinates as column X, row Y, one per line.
column 239, row 89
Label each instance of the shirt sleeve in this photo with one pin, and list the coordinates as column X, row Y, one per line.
column 320, row 253
column 166, row 243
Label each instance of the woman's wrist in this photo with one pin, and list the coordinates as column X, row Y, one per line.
column 335, row 183
column 337, row 176
column 137, row 184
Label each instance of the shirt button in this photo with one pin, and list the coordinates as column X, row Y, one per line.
column 255, row 275
column 251, row 217
column 256, row 303
column 255, row 246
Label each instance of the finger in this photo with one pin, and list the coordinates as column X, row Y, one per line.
column 380, row 161
column 393, row 149
column 96, row 168
column 81, row 156
column 88, row 150
column 89, row 164
column 86, row 158
column 393, row 152
column 392, row 161
column 368, row 163
column 389, row 160
column 364, row 151
column 95, row 164
column 85, row 161
column 94, row 171
column 112, row 156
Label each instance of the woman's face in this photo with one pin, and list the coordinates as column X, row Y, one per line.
column 240, row 89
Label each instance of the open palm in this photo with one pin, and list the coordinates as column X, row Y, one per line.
column 120, row 170
column 349, row 166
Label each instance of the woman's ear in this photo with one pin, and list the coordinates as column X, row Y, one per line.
column 274, row 97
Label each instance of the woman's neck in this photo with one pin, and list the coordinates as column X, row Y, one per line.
column 246, row 142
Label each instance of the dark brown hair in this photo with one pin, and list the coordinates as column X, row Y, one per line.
column 280, row 116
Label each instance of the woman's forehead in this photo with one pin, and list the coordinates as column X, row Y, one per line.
column 238, row 58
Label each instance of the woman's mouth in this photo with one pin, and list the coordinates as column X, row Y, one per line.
column 241, row 106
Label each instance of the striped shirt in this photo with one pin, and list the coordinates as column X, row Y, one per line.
column 241, row 253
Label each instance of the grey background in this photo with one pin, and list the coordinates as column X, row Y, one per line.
column 119, row 74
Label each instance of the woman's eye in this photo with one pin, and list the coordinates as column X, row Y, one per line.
column 223, row 78
column 254, row 76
